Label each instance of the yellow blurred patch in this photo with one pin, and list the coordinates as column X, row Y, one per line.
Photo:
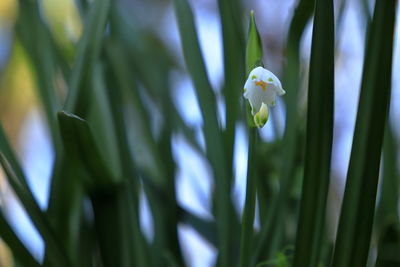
column 8, row 10
column 5, row 255
column 17, row 88
column 64, row 20
column 63, row 15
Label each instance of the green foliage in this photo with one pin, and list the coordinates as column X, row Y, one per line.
column 254, row 47
column 319, row 139
column 17, row 247
column 356, row 219
column 111, row 147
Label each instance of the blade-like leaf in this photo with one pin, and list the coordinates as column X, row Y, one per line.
column 253, row 58
column 390, row 181
column 66, row 193
column 271, row 230
column 319, row 138
column 246, row 244
column 110, row 195
column 57, row 255
column 45, row 56
column 207, row 229
column 355, row 224
column 389, row 245
column 234, row 69
column 66, row 206
column 214, row 142
column 109, row 206
column 8, row 152
column 100, row 118
column 80, row 145
column 115, row 95
column 17, row 247
column 120, row 77
column 87, row 53
column 254, row 47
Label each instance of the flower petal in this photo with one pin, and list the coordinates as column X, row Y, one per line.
column 260, row 89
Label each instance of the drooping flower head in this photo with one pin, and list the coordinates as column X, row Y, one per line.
column 261, row 89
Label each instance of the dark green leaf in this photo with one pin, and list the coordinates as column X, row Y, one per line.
column 234, row 69
column 271, row 230
column 8, row 152
column 212, row 133
column 46, row 58
column 80, row 145
column 390, row 181
column 88, row 51
column 389, row 245
column 355, row 224
column 246, row 245
column 319, row 139
column 17, row 247
column 56, row 249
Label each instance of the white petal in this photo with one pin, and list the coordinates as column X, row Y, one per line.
column 247, row 86
column 255, row 97
column 258, row 73
column 270, row 78
column 279, row 90
column 269, row 95
column 261, row 87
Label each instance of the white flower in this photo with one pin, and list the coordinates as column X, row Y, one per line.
column 261, row 89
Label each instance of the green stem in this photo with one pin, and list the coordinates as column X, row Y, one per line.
column 249, row 208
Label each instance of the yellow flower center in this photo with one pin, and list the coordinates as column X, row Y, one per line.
column 262, row 84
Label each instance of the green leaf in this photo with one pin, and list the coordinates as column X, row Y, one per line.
column 246, row 244
column 110, row 213
column 254, row 47
column 57, row 255
column 207, row 229
column 115, row 95
column 271, row 230
column 319, row 139
column 80, row 145
column 100, row 117
column 389, row 245
column 390, row 181
column 66, row 192
column 253, row 59
column 234, row 70
column 111, row 196
column 119, row 76
column 17, row 247
column 8, row 152
column 65, row 208
column 212, row 133
column 46, row 58
column 165, row 226
column 88, row 51
column 356, row 218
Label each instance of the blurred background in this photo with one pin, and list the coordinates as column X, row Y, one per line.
column 24, row 121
